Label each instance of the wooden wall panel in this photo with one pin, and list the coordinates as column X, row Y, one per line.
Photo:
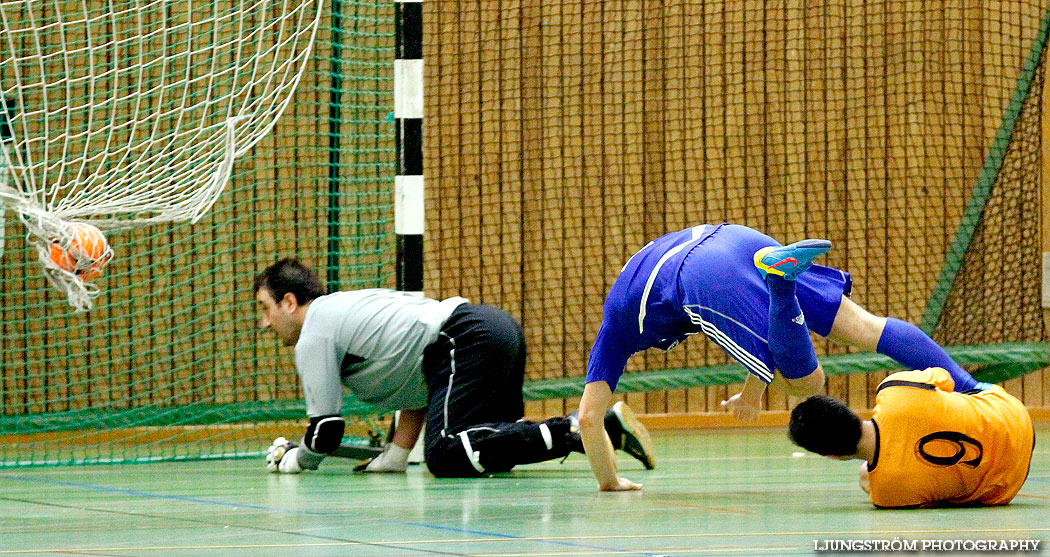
column 822, row 120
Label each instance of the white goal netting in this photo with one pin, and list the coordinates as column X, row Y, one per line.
column 128, row 113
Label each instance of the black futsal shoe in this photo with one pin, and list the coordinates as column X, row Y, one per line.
column 628, row 434
column 625, row 431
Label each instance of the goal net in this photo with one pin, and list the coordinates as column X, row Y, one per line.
column 170, row 363
column 125, row 114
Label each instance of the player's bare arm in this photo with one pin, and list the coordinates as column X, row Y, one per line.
column 596, row 398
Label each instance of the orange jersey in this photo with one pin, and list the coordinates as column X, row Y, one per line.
column 935, row 446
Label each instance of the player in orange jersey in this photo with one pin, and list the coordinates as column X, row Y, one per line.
column 926, row 445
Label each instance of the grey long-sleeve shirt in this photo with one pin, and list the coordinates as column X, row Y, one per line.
column 371, row 341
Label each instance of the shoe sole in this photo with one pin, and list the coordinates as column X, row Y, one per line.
column 817, row 244
column 634, row 430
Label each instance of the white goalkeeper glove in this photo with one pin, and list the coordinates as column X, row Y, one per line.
column 392, row 459
column 283, row 456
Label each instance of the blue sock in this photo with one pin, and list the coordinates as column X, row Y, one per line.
column 913, row 349
column 788, row 335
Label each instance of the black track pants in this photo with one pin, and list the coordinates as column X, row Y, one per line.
column 475, row 372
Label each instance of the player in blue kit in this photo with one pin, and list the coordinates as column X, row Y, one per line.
column 757, row 300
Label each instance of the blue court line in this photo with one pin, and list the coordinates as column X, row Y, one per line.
column 242, row 506
column 149, row 495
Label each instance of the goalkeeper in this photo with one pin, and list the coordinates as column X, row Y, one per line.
column 704, row 280
column 455, row 366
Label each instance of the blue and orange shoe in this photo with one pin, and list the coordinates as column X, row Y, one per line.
column 792, row 260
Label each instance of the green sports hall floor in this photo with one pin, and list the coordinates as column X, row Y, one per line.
column 713, row 493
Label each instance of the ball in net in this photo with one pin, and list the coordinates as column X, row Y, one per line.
column 85, row 255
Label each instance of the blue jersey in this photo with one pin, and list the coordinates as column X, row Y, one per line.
column 703, row 280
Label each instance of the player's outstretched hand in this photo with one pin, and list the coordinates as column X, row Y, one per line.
column 741, row 410
column 622, row 484
column 283, row 456
column 392, row 459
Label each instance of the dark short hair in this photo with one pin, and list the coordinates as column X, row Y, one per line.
column 824, row 425
column 289, row 275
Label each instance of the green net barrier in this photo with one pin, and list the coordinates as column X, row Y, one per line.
column 990, row 175
column 989, row 363
column 161, row 416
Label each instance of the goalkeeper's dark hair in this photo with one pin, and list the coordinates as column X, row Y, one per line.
column 289, row 275
column 824, row 425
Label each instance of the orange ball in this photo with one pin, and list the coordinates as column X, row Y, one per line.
column 87, row 254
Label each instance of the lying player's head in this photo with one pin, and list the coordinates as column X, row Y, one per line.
column 824, row 425
column 280, row 290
